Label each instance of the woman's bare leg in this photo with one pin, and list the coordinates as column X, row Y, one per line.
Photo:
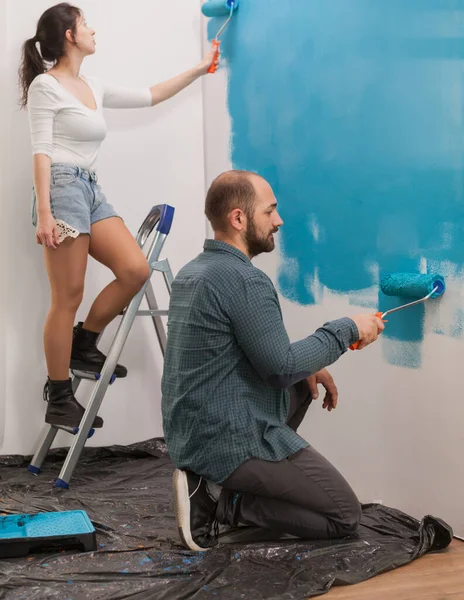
column 112, row 244
column 66, row 266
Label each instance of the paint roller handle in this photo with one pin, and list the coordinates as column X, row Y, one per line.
column 214, row 64
column 355, row 346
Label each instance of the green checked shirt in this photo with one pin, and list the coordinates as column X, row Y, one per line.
column 228, row 363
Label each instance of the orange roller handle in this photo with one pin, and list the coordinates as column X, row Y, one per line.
column 356, row 344
column 213, row 67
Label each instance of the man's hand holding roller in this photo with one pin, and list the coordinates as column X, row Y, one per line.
column 369, row 328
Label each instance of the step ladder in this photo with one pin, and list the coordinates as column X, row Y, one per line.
column 158, row 222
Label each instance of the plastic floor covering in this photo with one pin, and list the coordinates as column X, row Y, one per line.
column 126, row 492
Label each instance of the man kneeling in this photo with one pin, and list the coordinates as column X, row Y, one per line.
column 235, row 389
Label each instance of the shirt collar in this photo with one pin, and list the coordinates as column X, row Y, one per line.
column 218, row 246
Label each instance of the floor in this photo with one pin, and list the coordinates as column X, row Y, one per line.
column 432, row 577
column 127, row 491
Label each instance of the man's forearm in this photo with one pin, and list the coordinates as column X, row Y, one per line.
column 262, row 336
column 317, row 351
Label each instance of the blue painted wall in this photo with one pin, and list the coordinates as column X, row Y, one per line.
column 353, row 111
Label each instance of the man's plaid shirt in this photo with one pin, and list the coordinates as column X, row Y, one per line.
column 228, row 363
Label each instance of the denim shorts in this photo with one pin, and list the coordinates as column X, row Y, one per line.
column 76, row 201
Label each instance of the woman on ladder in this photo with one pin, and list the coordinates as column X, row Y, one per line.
column 69, row 210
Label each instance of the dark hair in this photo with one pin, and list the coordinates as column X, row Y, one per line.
column 51, row 35
column 231, row 190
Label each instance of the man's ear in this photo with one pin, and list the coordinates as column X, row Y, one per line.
column 237, row 219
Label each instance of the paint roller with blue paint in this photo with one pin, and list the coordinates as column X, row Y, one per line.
column 409, row 285
column 218, row 8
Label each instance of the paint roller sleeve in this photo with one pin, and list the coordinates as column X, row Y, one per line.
column 412, row 285
column 218, row 8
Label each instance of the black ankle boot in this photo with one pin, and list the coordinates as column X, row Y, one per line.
column 85, row 355
column 63, row 408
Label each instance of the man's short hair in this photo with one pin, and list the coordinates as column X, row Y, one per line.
column 230, row 190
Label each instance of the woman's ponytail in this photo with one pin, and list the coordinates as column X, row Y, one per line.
column 32, row 64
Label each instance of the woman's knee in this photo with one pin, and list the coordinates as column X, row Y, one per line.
column 135, row 275
column 68, row 298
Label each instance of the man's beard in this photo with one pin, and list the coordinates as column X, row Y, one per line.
column 256, row 244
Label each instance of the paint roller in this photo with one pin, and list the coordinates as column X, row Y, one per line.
column 218, row 8
column 409, row 285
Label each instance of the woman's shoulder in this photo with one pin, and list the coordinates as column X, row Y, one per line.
column 44, row 89
column 44, row 79
column 46, row 83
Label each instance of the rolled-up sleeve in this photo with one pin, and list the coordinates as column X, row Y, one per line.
column 42, row 107
column 123, row 97
column 258, row 326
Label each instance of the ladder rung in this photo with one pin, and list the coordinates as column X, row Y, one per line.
column 152, row 313
column 86, row 375
column 91, row 376
column 73, row 430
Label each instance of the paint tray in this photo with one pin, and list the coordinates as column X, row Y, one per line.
column 46, row 532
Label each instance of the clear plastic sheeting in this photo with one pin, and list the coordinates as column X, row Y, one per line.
column 126, row 492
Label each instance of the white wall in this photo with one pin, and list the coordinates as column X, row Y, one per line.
column 397, row 434
column 150, row 157
column 3, row 223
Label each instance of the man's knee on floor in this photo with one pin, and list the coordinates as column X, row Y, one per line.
column 349, row 520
